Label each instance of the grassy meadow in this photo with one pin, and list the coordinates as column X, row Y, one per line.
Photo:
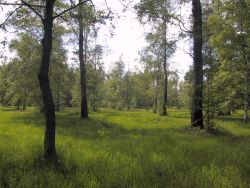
column 117, row 149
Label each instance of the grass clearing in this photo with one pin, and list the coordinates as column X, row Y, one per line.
column 123, row 149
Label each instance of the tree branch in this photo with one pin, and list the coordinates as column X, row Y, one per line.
column 180, row 22
column 127, row 7
column 34, row 10
column 16, row 9
column 69, row 9
column 66, row 20
column 183, row 28
column 20, row 4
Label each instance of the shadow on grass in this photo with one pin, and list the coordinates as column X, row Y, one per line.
column 40, row 164
column 93, row 129
column 98, row 130
column 207, row 131
column 36, row 169
column 9, row 109
column 238, row 121
column 87, row 129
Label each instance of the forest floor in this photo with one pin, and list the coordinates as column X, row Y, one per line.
column 124, row 149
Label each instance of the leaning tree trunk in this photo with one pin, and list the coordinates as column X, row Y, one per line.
column 165, row 94
column 43, row 77
column 84, row 102
column 197, row 115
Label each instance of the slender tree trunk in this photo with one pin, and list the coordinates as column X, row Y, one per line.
column 43, row 77
column 246, row 98
column 245, row 82
column 156, row 93
column 197, row 110
column 156, row 100
column 18, row 104
column 165, row 94
column 82, row 60
column 24, row 104
column 24, row 98
column 246, row 69
column 127, row 92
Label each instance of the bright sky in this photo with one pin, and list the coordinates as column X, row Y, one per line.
column 128, row 40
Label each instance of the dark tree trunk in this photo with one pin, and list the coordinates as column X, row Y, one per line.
column 165, row 94
column 155, row 102
column 245, row 81
column 43, row 77
column 128, row 101
column 197, row 115
column 24, row 99
column 82, row 60
column 18, row 104
column 245, row 85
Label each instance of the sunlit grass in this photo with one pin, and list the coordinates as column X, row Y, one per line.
column 234, row 124
column 123, row 149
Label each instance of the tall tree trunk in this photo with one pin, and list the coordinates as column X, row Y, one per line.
column 197, row 115
column 24, row 98
column 156, row 91
column 127, row 92
column 245, row 81
column 82, row 60
column 165, row 94
column 24, row 104
column 18, row 104
column 156, row 97
column 246, row 104
column 245, row 61
column 43, row 77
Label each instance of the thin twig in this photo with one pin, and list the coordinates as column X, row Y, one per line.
column 183, row 28
column 33, row 9
column 16, row 9
column 127, row 7
column 20, row 4
column 69, row 9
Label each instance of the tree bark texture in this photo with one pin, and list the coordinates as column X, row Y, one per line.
column 43, row 77
column 165, row 90
column 245, row 81
column 82, row 60
column 197, row 99
column 245, row 61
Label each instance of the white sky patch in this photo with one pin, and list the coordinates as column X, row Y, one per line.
column 128, row 40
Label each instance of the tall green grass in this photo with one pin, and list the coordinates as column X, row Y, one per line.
column 123, row 149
